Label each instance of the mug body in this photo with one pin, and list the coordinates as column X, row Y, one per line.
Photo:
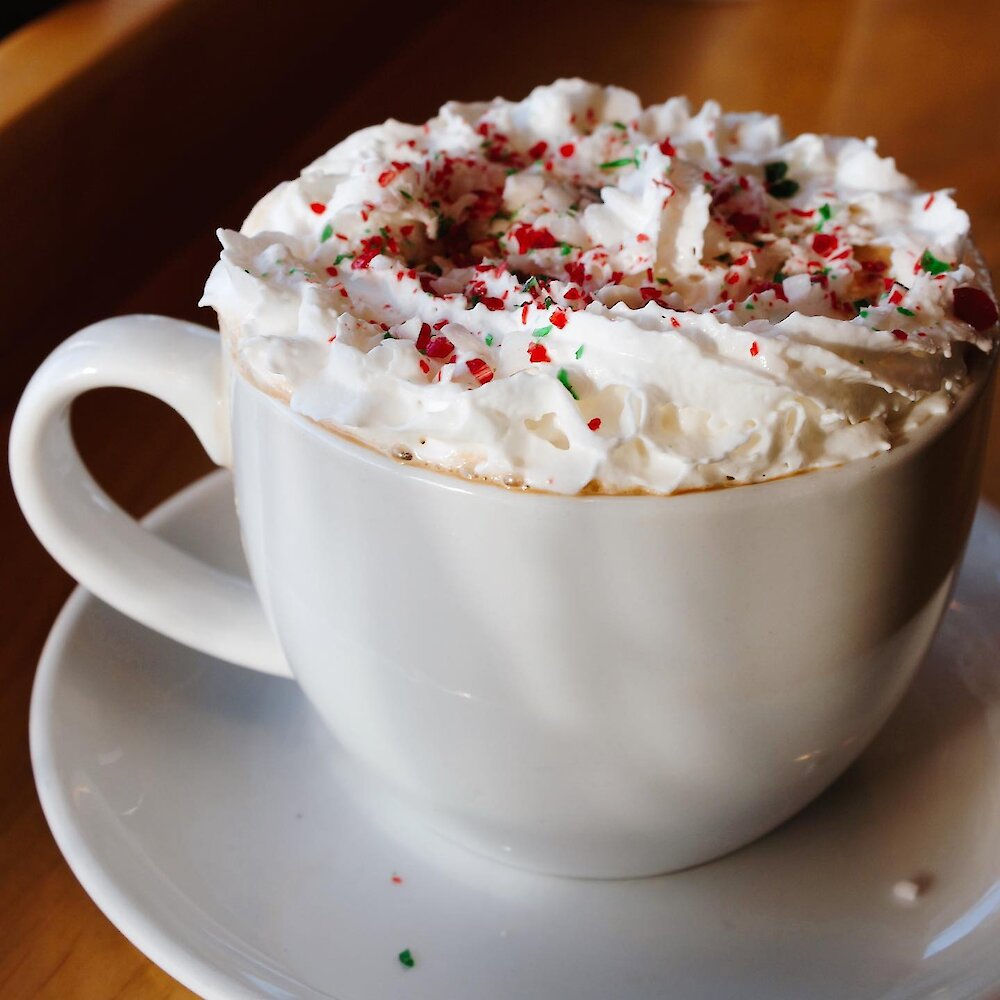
column 600, row 685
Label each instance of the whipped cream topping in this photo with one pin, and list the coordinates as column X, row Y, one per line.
column 575, row 293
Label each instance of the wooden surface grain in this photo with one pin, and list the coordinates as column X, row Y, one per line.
column 919, row 75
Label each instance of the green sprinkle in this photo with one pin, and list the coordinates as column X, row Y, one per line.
column 578, row 353
column 861, row 361
column 774, row 172
column 825, row 212
column 506, row 216
column 388, row 336
column 932, row 265
column 749, row 305
column 783, row 189
column 860, row 304
column 292, row 270
column 905, row 312
column 663, row 281
column 620, row 125
column 543, row 331
column 384, row 233
column 342, row 256
column 326, row 234
column 532, row 282
column 725, row 258
column 489, row 340
column 779, row 277
column 548, row 303
column 510, row 170
column 623, row 162
column 563, row 377
column 566, row 249
column 406, row 958
column 406, row 194
column 863, row 313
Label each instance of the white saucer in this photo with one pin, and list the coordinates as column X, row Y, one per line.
column 204, row 809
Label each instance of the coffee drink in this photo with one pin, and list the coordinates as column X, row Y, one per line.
column 574, row 293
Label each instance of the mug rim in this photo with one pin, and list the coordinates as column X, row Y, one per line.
column 981, row 368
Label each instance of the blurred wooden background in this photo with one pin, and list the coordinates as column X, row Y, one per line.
column 131, row 129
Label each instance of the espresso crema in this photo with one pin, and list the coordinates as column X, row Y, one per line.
column 573, row 293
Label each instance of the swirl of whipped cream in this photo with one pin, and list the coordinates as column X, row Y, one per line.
column 575, row 293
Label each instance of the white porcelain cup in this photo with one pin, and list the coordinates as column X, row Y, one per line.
column 594, row 686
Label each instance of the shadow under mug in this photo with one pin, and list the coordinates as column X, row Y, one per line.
column 600, row 686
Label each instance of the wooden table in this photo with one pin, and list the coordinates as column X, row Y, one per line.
column 922, row 76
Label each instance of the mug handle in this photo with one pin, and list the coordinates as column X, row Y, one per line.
column 111, row 554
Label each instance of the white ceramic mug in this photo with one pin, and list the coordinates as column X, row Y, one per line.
column 597, row 686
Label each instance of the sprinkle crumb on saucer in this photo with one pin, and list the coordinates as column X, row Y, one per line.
column 910, row 890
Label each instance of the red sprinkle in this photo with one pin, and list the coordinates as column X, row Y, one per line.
column 732, row 279
column 537, row 352
column 899, row 334
column 567, row 149
column 754, row 349
column 576, row 272
column 481, row 371
column 524, row 313
column 492, row 303
column 386, row 177
column 332, row 271
column 558, row 319
column 650, row 294
column 318, row 207
column 364, row 259
column 667, row 149
column 675, row 322
column 642, row 238
column 424, row 367
column 424, row 337
column 397, row 880
column 824, row 244
column 594, row 424
column 439, row 347
column 929, row 202
column 533, row 239
column 538, row 150
column 975, row 307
